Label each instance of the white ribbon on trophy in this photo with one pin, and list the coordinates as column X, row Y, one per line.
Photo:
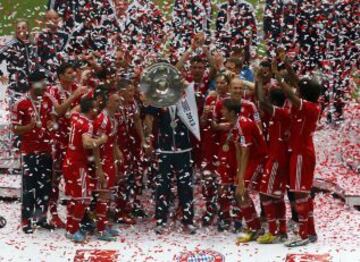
column 188, row 112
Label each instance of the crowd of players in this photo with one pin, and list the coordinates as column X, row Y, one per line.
column 77, row 110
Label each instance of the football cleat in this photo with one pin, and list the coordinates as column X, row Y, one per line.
column 297, row 242
column 313, row 238
column 77, row 237
column 190, row 229
column 112, row 231
column 105, row 236
column 267, row 238
column 249, row 236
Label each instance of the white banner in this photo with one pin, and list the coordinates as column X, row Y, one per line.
column 188, row 112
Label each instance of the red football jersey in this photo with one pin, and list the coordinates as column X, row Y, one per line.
column 105, row 124
column 57, row 95
column 79, row 125
column 36, row 140
column 249, row 136
column 209, row 150
column 127, row 133
column 249, row 110
column 279, row 131
column 303, row 125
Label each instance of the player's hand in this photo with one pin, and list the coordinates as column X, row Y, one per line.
column 147, row 147
column 120, row 156
column 4, row 79
column 101, row 177
column 104, row 138
column 207, row 109
column 32, row 124
column 85, row 75
column 275, row 71
column 240, row 191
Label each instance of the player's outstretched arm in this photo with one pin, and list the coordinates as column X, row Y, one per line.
column 259, row 89
column 91, row 143
column 288, row 90
column 242, row 154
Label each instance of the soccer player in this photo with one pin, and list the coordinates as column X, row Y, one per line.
column 36, row 151
column 133, row 144
column 58, row 101
column 250, row 150
column 76, row 167
column 274, row 179
column 107, row 157
column 305, row 113
column 209, row 152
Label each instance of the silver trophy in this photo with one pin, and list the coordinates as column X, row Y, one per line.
column 161, row 84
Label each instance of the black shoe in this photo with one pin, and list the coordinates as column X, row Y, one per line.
column 237, row 227
column 313, row 238
column 89, row 227
column 160, row 229
column 190, row 229
column 223, row 225
column 207, row 219
column 44, row 224
column 138, row 212
column 28, row 229
column 2, row 222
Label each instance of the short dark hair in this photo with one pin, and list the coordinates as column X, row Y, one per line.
column 309, row 89
column 237, row 61
column 232, row 105
column 105, row 72
column 62, row 68
column 225, row 76
column 37, row 76
column 277, row 97
column 197, row 59
column 265, row 63
column 86, row 104
column 101, row 91
column 123, row 84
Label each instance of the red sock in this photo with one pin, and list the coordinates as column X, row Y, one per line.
column 311, row 224
column 101, row 215
column 270, row 212
column 281, row 215
column 69, row 217
column 54, row 195
column 249, row 212
column 77, row 209
column 302, row 208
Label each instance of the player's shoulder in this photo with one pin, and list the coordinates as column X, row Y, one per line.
column 52, row 89
column 22, row 103
column 244, row 121
column 102, row 119
column 247, row 104
column 309, row 106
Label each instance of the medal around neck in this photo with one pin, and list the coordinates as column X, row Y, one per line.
column 162, row 84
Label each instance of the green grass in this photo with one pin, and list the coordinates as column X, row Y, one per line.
column 10, row 10
column 33, row 11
